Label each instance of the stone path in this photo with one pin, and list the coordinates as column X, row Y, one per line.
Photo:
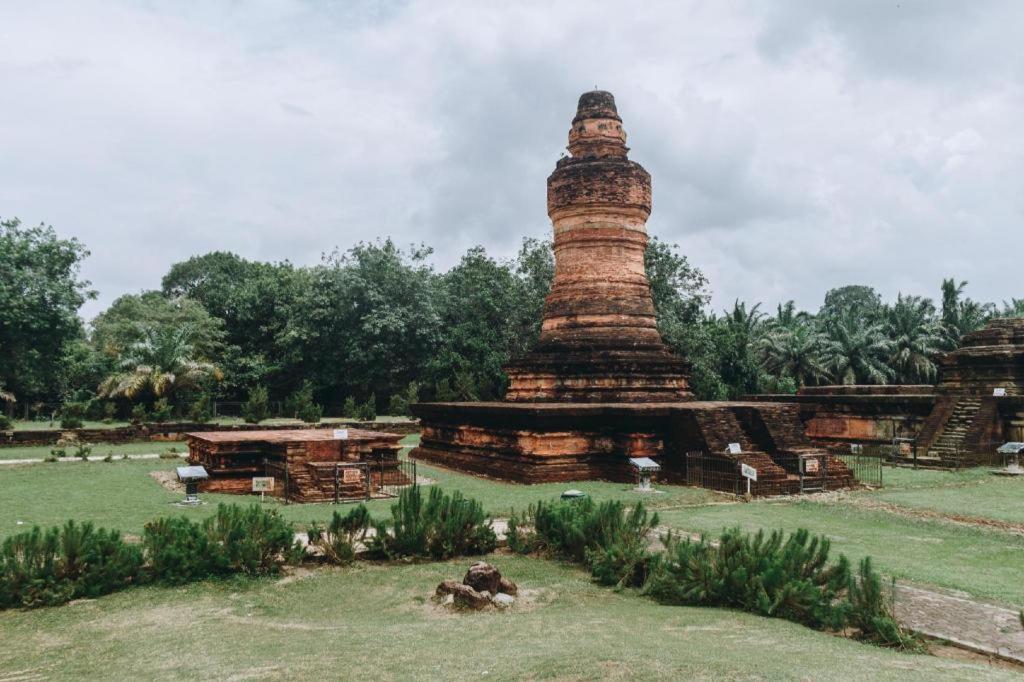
column 92, row 458
column 963, row 622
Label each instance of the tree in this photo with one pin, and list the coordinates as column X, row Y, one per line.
column 1013, row 308
column 916, row 337
column 40, row 294
column 854, row 303
column 796, row 351
column 960, row 315
column 857, row 353
column 158, row 346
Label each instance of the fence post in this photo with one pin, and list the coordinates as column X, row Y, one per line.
column 335, row 483
column 286, row 482
column 366, row 477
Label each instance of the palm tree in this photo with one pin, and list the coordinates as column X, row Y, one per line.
column 1013, row 308
column 796, row 351
column 163, row 361
column 857, row 353
column 916, row 339
column 960, row 316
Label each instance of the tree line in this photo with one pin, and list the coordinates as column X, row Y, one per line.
column 376, row 327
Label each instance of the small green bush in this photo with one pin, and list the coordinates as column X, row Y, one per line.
column 769, row 575
column 608, row 539
column 201, row 409
column 250, row 540
column 367, row 412
column 140, row 415
column 82, row 451
column 440, row 527
column 349, row 410
column 161, row 411
column 5, row 422
column 400, row 403
column 257, row 407
column 303, row 407
column 71, row 415
column 45, row 568
column 872, row 614
column 338, row 540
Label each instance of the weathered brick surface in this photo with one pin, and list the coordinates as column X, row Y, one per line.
column 599, row 340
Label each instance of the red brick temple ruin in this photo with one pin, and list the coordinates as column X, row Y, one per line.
column 601, row 386
column 977, row 405
column 307, row 465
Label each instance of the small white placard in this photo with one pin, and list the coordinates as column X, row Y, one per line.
column 735, row 449
column 998, row 392
column 748, row 472
column 341, row 434
column 263, row 484
column 811, row 466
column 350, row 475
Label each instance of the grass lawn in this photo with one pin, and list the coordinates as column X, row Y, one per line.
column 986, row 564
column 992, row 497
column 100, row 449
column 907, row 477
column 23, row 425
column 377, row 622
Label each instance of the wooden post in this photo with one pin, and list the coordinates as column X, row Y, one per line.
column 286, row 482
column 335, row 483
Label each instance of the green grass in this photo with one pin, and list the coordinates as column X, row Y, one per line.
column 986, row 564
column 990, row 497
column 374, row 621
column 100, row 449
column 45, row 425
column 906, row 477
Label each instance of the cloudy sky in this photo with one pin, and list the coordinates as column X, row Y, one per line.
column 794, row 146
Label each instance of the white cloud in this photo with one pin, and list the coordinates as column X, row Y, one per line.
column 793, row 149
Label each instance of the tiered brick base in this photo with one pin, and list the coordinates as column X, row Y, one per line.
column 545, row 442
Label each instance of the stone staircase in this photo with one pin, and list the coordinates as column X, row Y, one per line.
column 719, row 427
column 951, row 438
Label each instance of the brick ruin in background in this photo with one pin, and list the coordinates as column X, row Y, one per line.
column 960, row 420
column 307, row 465
column 601, row 386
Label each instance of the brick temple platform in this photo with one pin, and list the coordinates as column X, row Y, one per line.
column 543, row 442
column 302, row 461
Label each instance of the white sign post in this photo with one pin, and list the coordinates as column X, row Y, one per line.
column 734, row 449
column 749, row 473
column 999, row 392
column 262, row 485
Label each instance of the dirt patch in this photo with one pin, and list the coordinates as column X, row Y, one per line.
column 526, row 600
column 169, row 480
column 933, row 515
column 294, row 574
column 947, row 651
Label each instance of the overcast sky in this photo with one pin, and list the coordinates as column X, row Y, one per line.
column 794, row 146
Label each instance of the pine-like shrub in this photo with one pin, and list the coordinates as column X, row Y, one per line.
column 5, row 422
column 399, row 404
column 338, row 540
column 367, row 412
column 771, row 575
column 139, row 414
column 608, row 539
column 250, row 540
column 257, row 407
column 161, row 411
column 71, row 415
column 872, row 613
column 178, row 550
column 440, row 527
column 303, row 406
column 201, row 410
column 45, row 568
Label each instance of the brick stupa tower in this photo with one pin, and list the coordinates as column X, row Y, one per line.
column 601, row 386
column 599, row 341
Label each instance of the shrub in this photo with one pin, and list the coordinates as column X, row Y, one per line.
column 161, row 411
column 178, row 551
column 769, row 575
column 40, row 568
column 338, row 540
column 201, row 409
column 71, row 414
column 109, row 412
column 257, row 407
column 401, row 402
column 5, row 422
column 303, row 406
column 441, row 527
column 82, row 450
column 109, row 457
column 250, row 540
column 606, row 538
column 349, row 410
column 367, row 411
column 872, row 614
column 139, row 414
